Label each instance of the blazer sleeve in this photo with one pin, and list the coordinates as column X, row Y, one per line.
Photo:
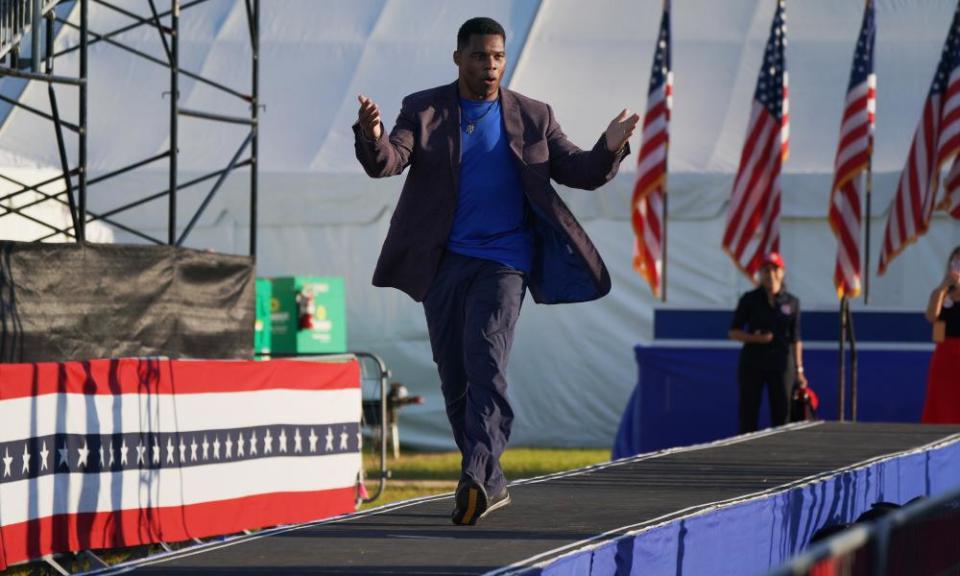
column 387, row 156
column 576, row 168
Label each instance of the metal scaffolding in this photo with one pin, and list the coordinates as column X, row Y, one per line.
column 35, row 19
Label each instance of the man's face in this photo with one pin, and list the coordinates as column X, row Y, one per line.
column 481, row 63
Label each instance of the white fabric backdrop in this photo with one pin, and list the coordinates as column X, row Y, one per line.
column 572, row 366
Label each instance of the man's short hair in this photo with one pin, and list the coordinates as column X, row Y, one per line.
column 479, row 26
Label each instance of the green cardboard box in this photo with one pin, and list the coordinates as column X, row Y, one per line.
column 308, row 315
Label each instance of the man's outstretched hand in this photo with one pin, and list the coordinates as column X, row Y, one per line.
column 620, row 129
column 369, row 118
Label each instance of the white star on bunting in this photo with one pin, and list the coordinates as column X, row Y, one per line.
column 267, row 443
column 64, row 456
column 82, row 455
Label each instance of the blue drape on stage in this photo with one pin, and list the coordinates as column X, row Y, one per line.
column 687, row 390
column 687, row 395
column 753, row 535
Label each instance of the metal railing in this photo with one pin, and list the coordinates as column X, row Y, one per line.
column 920, row 539
column 847, row 336
column 381, row 375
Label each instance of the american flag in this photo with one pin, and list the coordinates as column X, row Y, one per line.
column 936, row 142
column 853, row 156
column 753, row 219
column 951, row 195
column 649, row 192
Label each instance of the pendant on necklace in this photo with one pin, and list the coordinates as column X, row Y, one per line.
column 469, row 128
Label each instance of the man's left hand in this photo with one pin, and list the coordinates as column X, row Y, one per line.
column 620, row 129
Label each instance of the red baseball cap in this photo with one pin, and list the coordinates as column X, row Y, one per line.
column 772, row 259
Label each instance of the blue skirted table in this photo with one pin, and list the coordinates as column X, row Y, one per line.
column 687, row 390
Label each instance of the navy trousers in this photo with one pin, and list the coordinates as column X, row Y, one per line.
column 779, row 384
column 472, row 309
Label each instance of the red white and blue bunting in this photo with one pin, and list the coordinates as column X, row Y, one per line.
column 112, row 453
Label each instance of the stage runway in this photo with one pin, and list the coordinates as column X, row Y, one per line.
column 559, row 516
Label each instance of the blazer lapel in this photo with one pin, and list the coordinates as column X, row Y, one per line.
column 512, row 122
column 449, row 105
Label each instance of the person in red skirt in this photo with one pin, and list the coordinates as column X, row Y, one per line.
column 942, row 405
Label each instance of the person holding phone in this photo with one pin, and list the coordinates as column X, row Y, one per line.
column 767, row 321
column 942, row 405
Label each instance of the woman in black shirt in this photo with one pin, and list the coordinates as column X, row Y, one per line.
column 767, row 321
column 942, row 405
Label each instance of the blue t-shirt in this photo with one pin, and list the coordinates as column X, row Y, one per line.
column 489, row 222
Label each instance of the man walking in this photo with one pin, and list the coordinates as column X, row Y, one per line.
column 476, row 224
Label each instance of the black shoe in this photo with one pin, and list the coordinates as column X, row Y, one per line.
column 470, row 503
column 498, row 501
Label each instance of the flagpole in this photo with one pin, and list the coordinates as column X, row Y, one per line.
column 868, row 191
column 842, row 373
column 666, row 164
column 663, row 273
column 868, row 194
column 852, row 339
column 666, row 196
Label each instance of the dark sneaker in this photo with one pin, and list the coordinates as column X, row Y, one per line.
column 498, row 501
column 470, row 503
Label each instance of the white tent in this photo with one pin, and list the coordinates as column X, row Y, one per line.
column 572, row 366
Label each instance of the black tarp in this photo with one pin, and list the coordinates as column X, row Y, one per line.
column 75, row 302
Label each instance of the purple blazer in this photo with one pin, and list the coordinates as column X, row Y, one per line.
column 566, row 265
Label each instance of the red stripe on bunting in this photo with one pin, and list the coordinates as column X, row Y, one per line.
column 91, row 531
column 164, row 376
